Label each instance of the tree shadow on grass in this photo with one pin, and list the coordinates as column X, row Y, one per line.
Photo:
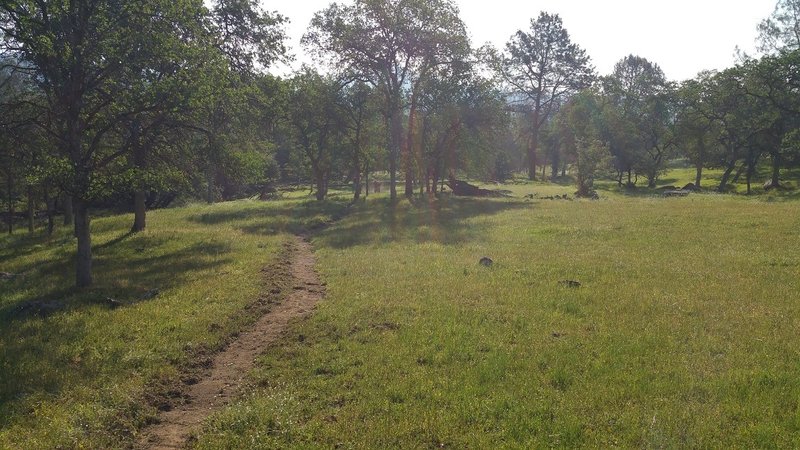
column 293, row 218
column 447, row 220
column 44, row 354
column 566, row 180
column 17, row 246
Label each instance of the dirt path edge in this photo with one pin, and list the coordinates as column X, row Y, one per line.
column 219, row 384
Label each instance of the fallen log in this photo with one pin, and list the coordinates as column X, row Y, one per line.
column 464, row 189
column 676, row 193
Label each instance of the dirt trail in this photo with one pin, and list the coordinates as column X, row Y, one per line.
column 230, row 366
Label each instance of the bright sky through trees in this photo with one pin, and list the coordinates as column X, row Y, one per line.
column 682, row 36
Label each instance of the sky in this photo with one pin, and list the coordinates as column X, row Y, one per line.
column 682, row 36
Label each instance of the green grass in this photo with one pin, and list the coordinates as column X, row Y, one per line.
column 82, row 377
column 683, row 333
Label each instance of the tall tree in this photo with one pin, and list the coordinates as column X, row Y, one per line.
column 775, row 79
column 577, row 129
column 639, row 117
column 463, row 116
column 696, row 132
column 358, row 107
column 392, row 44
column 14, row 94
column 541, row 68
column 781, row 30
column 318, row 128
column 85, row 55
column 732, row 110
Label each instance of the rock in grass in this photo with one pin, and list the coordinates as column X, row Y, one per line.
column 486, row 261
column 690, row 187
column 151, row 294
column 570, row 283
column 112, row 303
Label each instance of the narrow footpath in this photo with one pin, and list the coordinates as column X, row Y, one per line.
column 229, row 367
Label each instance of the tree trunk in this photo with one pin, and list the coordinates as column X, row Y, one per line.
column 68, row 214
column 321, row 185
column 435, row 176
column 409, row 147
column 739, row 173
column 555, row 164
column 83, row 266
column 396, row 140
column 210, row 186
column 366, row 181
column 533, row 146
column 428, row 177
column 752, row 166
column 139, row 195
column 357, row 186
column 327, row 181
column 749, row 176
column 139, row 211
column 699, row 176
column 10, row 191
column 723, row 183
column 31, row 213
column 776, row 170
column 532, row 159
column 50, row 202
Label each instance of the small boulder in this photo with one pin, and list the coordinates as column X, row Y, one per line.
column 151, row 294
column 112, row 303
column 486, row 261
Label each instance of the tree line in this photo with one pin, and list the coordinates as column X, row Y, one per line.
column 132, row 104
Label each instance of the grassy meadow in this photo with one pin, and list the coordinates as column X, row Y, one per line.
column 85, row 375
column 683, row 332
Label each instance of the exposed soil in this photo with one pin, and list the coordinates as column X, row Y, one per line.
column 219, row 385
